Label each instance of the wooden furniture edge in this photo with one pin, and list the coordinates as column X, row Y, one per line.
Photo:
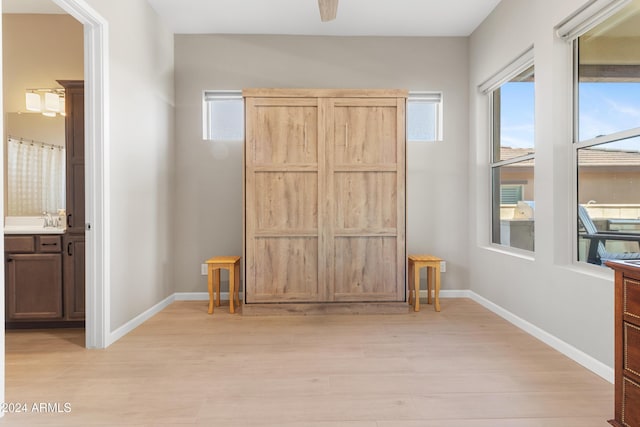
column 259, row 309
column 323, row 93
column 623, row 266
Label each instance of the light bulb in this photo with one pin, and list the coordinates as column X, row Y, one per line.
column 32, row 101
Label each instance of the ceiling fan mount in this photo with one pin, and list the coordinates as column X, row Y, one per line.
column 328, row 9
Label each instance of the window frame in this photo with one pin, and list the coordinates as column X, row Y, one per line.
column 435, row 98
column 209, row 96
column 490, row 88
column 575, row 137
column 576, row 143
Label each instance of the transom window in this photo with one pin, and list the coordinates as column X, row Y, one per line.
column 424, row 117
column 223, row 116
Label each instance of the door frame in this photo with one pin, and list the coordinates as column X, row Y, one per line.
column 96, row 55
column 97, row 281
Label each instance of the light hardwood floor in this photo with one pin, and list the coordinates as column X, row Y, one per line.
column 463, row 366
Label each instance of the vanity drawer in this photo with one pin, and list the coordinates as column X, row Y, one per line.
column 49, row 243
column 631, row 298
column 630, row 398
column 631, row 351
column 19, row 244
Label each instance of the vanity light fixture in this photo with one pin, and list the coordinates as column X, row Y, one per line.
column 33, row 101
column 49, row 102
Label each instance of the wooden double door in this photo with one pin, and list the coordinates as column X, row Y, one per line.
column 324, row 196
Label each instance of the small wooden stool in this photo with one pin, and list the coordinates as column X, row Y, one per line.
column 432, row 263
column 215, row 264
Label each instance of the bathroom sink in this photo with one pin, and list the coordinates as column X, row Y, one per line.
column 29, row 225
column 32, row 230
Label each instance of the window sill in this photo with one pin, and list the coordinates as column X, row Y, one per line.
column 511, row 251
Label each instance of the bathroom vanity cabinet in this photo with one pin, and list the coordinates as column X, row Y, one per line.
column 33, row 278
column 44, row 280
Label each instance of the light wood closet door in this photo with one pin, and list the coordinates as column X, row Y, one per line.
column 282, row 189
column 365, row 238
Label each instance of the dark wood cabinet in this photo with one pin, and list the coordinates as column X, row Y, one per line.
column 627, row 343
column 74, row 274
column 33, row 278
column 74, row 143
column 74, row 239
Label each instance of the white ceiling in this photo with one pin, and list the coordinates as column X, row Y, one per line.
column 355, row 17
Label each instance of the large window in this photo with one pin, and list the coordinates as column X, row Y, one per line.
column 607, row 137
column 512, row 163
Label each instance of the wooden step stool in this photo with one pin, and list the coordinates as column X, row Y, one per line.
column 432, row 263
column 215, row 264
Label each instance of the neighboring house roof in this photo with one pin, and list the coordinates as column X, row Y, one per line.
column 508, row 153
column 594, row 157
column 588, row 157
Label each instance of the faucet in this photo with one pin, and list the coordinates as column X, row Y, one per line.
column 49, row 221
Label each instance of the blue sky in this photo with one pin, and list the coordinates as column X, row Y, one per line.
column 605, row 108
column 517, row 114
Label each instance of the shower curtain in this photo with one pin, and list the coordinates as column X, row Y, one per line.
column 35, row 177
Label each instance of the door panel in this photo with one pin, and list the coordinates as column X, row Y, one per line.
column 368, row 272
column 298, row 125
column 286, row 201
column 286, row 269
column 366, row 185
column 365, row 134
column 34, row 286
column 74, row 277
column 365, row 200
column 282, row 193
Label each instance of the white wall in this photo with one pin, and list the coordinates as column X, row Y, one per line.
column 141, row 149
column 572, row 302
column 209, row 175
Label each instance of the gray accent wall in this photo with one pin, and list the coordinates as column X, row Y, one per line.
column 209, row 174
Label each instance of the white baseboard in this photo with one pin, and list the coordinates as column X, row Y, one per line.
column 194, row 296
column 204, row 296
column 200, row 296
column 139, row 320
column 568, row 350
column 446, row 293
